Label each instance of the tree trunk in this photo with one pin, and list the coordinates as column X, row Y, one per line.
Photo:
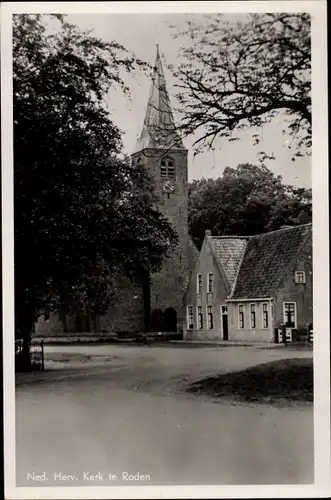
column 25, row 357
column 79, row 321
column 25, row 319
column 63, row 317
column 147, row 301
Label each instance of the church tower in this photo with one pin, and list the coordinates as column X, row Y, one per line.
column 163, row 154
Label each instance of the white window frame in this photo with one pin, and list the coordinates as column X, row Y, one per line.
column 250, row 316
column 297, row 273
column 239, row 312
column 208, row 283
column 198, row 281
column 212, row 318
column 265, row 327
column 198, row 323
column 188, row 318
column 295, row 314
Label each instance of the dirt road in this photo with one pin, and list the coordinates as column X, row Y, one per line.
column 119, row 415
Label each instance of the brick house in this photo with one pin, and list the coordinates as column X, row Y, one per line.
column 161, row 151
column 244, row 287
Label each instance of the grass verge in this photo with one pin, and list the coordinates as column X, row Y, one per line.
column 290, row 379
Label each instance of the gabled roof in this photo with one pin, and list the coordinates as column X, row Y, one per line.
column 267, row 259
column 193, row 254
column 229, row 251
column 255, row 266
column 159, row 130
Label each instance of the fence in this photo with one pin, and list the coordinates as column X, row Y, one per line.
column 311, row 335
column 285, row 335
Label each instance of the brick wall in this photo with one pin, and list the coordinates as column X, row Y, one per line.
column 168, row 286
column 300, row 293
column 126, row 312
column 249, row 334
column 205, row 264
column 48, row 327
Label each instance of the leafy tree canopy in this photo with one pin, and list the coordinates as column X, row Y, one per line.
column 243, row 74
column 246, row 200
column 81, row 211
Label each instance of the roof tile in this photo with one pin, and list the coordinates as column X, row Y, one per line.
column 230, row 251
column 266, row 260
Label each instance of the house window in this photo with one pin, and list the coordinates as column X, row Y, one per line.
column 210, row 283
column 265, row 317
column 190, row 323
column 199, row 283
column 199, row 317
column 253, row 316
column 167, row 168
column 241, row 316
column 210, row 324
column 300, row 277
column 289, row 314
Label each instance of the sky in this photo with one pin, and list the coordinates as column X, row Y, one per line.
column 141, row 33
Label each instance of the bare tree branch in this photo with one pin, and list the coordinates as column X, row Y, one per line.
column 238, row 75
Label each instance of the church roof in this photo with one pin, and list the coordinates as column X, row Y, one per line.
column 255, row 266
column 159, row 130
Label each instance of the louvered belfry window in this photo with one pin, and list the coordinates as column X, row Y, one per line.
column 300, row 277
column 167, row 168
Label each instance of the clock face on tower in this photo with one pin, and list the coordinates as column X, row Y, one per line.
column 168, row 187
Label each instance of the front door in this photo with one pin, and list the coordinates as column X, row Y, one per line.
column 225, row 327
column 170, row 320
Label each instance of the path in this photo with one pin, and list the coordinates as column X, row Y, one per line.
column 128, row 413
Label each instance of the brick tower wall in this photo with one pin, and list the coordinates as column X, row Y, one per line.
column 169, row 285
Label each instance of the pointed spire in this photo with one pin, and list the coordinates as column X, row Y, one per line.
column 159, row 130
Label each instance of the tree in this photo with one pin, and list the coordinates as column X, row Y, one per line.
column 247, row 200
column 243, row 74
column 82, row 213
